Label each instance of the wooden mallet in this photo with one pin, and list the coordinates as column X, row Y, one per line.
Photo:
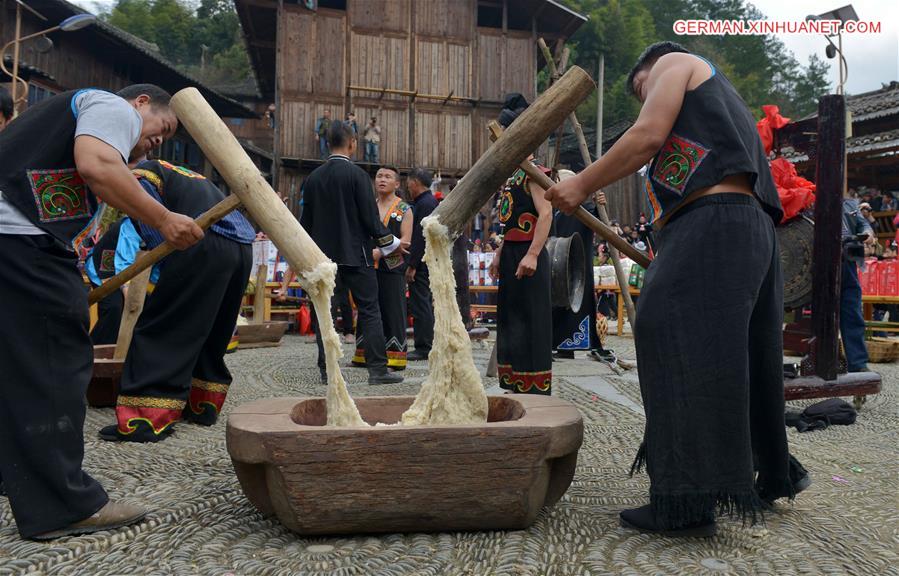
column 531, row 128
column 581, row 214
column 147, row 259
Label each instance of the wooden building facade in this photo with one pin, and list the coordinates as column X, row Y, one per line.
column 433, row 72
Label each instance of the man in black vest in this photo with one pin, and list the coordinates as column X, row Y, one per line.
column 341, row 216
column 190, row 318
column 708, row 331
column 420, row 306
column 58, row 156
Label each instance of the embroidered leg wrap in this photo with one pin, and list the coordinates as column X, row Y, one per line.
column 159, row 413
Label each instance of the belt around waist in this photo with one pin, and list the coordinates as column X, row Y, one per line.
column 730, row 198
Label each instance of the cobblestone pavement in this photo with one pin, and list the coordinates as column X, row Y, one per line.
column 846, row 523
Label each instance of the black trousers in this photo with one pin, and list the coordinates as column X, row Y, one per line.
column 422, row 309
column 46, row 360
column 178, row 347
column 340, row 305
column 710, row 359
column 523, row 323
column 363, row 283
column 109, row 316
column 392, row 304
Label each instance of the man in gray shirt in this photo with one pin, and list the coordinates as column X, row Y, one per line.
column 852, row 321
column 59, row 156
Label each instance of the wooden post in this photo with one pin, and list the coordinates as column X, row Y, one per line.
column 134, row 305
column 827, row 256
column 581, row 214
column 146, row 259
column 521, row 139
column 600, row 88
column 246, row 182
column 260, row 297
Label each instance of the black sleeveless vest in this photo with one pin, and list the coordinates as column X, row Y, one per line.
column 182, row 190
column 37, row 172
column 516, row 211
column 714, row 136
column 395, row 263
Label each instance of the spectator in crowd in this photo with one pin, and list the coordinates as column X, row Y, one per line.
column 322, row 127
column 644, row 230
column 888, row 203
column 866, row 212
column 852, row 323
column 420, row 306
column 372, row 137
column 350, row 121
column 270, row 115
column 6, row 108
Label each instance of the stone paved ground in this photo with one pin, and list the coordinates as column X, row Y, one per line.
column 846, row 523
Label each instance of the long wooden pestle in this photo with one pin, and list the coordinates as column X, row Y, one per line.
column 523, row 137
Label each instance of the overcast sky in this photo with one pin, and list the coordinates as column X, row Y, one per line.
column 873, row 59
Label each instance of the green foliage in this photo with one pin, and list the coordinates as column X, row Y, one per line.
column 760, row 67
column 202, row 39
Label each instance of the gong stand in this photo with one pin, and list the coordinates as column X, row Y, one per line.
column 820, row 374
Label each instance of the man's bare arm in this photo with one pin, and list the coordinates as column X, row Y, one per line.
column 667, row 84
column 102, row 168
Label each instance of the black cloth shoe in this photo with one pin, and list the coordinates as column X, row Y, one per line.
column 563, row 355
column 384, row 378
column 862, row 368
column 143, row 433
column 418, row 355
column 603, row 355
column 643, row 519
column 207, row 417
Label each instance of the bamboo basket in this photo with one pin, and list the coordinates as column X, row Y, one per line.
column 883, row 350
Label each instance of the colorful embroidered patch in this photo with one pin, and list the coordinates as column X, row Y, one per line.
column 107, row 261
column 150, row 176
column 676, row 162
column 525, row 230
column 181, row 170
column 525, row 382
column 59, row 195
column 518, row 177
column 504, row 211
column 580, row 340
